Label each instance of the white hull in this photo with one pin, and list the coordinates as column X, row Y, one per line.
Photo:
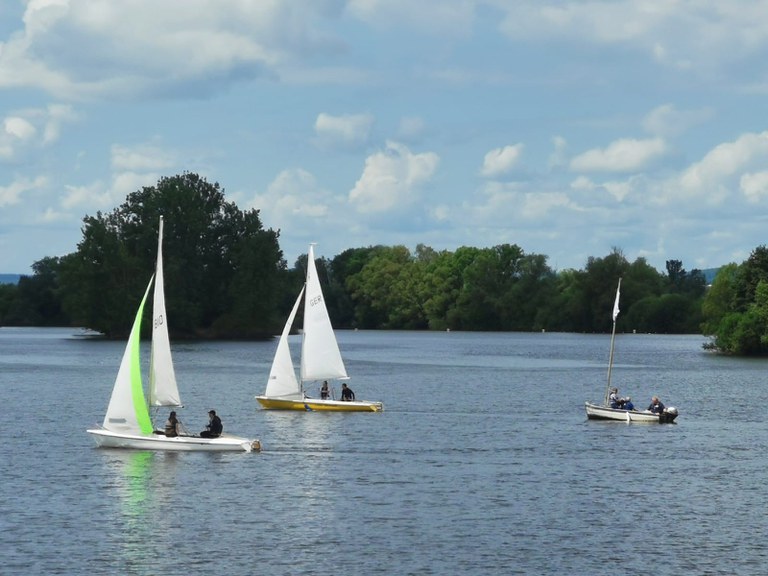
column 224, row 443
column 599, row 412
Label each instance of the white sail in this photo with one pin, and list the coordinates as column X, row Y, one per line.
column 320, row 355
column 163, row 390
column 127, row 411
column 613, row 338
column 282, row 381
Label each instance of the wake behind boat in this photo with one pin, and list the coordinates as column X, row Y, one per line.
column 623, row 410
column 320, row 358
column 127, row 423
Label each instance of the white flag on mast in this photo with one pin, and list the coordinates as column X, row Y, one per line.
column 616, row 302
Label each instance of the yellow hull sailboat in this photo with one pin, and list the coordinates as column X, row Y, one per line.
column 320, row 358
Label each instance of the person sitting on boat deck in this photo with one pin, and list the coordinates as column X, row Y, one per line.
column 656, row 406
column 613, row 399
column 214, row 428
column 172, row 426
column 347, row 395
column 324, row 390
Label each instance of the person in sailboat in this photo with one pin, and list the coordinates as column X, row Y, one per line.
column 214, row 427
column 347, row 395
column 614, row 400
column 324, row 394
column 173, row 426
column 656, row 406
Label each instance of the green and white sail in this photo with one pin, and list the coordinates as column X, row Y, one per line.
column 127, row 411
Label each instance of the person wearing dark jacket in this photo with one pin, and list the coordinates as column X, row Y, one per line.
column 656, row 406
column 214, row 428
column 347, row 395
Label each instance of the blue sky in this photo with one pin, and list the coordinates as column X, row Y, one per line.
column 567, row 128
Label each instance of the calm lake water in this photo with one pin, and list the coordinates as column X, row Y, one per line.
column 483, row 462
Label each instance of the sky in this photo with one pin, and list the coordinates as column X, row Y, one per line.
column 569, row 128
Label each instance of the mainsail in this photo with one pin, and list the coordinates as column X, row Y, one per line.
column 163, row 390
column 320, row 355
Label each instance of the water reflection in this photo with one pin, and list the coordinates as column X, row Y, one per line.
column 306, row 467
column 144, row 484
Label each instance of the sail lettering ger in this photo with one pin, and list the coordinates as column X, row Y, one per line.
column 315, row 300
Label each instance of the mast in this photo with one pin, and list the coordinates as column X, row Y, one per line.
column 613, row 337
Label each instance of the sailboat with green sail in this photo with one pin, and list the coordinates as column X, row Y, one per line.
column 127, row 423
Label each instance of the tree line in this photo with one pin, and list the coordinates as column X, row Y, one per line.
column 226, row 278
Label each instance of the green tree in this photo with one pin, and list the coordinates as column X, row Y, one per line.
column 736, row 307
column 221, row 266
column 720, row 299
column 598, row 290
column 386, row 291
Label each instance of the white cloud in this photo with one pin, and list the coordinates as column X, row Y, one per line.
column 619, row 190
column 411, row 128
column 57, row 115
column 81, row 49
column 427, row 16
column 511, row 205
column 558, row 158
column 16, row 133
column 537, row 205
column 714, row 176
column 19, row 128
column 345, row 130
column 94, row 195
column 294, row 201
column 499, row 161
column 754, row 185
column 391, row 178
column 666, row 120
column 125, row 182
column 13, row 193
column 51, row 215
column 616, row 188
column 32, row 127
column 294, row 193
column 141, row 158
column 623, row 155
column 100, row 196
column 681, row 35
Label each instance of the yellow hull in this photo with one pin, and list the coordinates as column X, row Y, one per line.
column 314, row 405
